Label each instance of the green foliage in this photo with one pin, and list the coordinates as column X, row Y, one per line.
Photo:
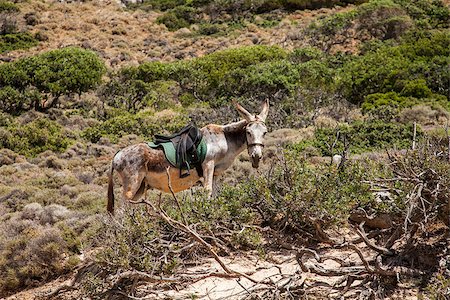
column 399, row 68
column 182, row 13
column 178, row 17
column 157, row 4
column 27, row 254
column 297, row 196
column 305, row 54
column 30, row 253
column 33, row 138
column 361, row 137
column 209, row 78
column 379, row 19
column 438, row 289
column 13, row 101
column 138, row 240
column 64, row 71
column 15, row 41
column 427, row 13
column 39, row 243
column 131, row 242
column 415, row 93
column 144, row 124
column 52, row 74
column 333, row 24
column 7, row 6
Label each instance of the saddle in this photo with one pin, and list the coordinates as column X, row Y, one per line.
column 184, row 150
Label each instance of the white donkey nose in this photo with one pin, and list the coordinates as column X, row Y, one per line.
column 256, row 153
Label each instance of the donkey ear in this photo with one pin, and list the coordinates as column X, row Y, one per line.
column 243, row 112
column 264, row 111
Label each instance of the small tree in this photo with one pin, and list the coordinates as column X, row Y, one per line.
column 53, row 74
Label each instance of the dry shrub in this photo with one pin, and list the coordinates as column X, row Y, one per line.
column 85, row 177
column 53, row 213
column 52, row 162
column 324, row 121
column 8, row 157
column 424, row 114
column 32, row 211
column 92, row 201
column 282, row 137
column 32, row 254
column 68, row 190
column 39, row 244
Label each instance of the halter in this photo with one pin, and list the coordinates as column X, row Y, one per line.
column 252, row 122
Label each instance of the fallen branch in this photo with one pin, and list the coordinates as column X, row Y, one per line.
column 195, row 235
column 362, row 234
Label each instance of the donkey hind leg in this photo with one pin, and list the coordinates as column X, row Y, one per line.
column 134, row 187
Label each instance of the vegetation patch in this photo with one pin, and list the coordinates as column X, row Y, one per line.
column 415, row 68
column 11, row 36
column 35, row 137
column 35, row 245
column 361, row 137
column 15, row 41
column 181, row 13
column 379, row 19
column 145, row 124
column 39, row 81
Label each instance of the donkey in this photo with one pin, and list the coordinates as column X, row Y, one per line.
column 141, row 167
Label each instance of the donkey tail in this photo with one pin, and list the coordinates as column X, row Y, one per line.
column 110, row 206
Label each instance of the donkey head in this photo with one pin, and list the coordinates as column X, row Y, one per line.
column 255, row 131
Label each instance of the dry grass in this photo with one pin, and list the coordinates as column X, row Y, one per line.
column 124, row 37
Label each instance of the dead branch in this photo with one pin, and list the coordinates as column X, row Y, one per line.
column 141, row 276
column 57, row 291
column 395, row 271
column 360, row 231
column 319, row 270
column 195, row 235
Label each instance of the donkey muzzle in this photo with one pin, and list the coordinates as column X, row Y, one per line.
column 255, row 152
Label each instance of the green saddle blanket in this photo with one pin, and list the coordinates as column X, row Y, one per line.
column 170, row 153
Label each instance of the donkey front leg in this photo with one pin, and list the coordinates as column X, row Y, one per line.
column 208, row 174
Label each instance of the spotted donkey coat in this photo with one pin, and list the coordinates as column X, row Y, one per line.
column 141, row 167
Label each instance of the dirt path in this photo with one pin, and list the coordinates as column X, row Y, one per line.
column 281, row 269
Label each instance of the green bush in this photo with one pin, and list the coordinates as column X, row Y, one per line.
column 38, row 244
column 53, row 73
column 379, row 19
column 378, row 101
column 7, row 6
column 305, row 54
column 211, row 29
column 298, row 197
column 15, row 41
column 163, row 5
column 13, row 101
column 209, row 78
column 361, row 137
column 333, row 24
column 426, row 13
column 178, row 17
column 33, row 138
column 145, row 124
column 395, row 68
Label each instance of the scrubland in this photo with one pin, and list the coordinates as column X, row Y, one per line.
column 365, row 80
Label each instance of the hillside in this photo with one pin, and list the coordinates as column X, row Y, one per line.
column 130, row 37
column 351, row 200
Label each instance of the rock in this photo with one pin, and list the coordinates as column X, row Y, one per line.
column 337, row 159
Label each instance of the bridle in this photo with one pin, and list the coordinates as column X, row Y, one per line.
column 254, row 144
